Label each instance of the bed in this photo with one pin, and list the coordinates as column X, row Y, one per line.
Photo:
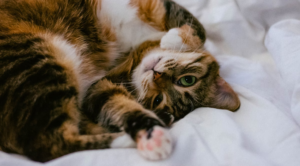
column 257, row 43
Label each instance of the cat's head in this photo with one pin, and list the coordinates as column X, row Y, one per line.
column 172, row 84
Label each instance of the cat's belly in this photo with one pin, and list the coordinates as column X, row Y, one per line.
column 130, row 30
column 81, row 67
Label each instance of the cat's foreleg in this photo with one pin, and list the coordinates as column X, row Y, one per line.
column 181, row 39
column 185, row 32
column 178, row 17
column 112, row 105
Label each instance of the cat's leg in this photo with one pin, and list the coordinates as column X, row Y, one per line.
column 181, row 39
column 61, row 135
column 185, row 32
column 112, row 106
column 88, row 127
column 39, row 115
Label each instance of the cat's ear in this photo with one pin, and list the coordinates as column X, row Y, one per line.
column 224, row 97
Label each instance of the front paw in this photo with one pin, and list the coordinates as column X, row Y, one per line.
column 173, row 41
column 153, row 140
column 154, row 144
column 181, row 39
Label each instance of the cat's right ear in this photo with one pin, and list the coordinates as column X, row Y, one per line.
column 223, row 96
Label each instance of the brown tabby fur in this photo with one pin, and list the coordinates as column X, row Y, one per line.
column 44, row 113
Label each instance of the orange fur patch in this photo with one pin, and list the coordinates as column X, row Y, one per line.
column 107, row 31
column 189, row 37
column 151, row 12
column 96, row 5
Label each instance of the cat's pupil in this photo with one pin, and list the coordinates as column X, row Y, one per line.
column 189, row 79
column 158, row 99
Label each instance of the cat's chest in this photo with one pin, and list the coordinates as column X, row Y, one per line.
column 130, row 31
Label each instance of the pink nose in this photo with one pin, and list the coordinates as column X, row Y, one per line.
column 156, row 75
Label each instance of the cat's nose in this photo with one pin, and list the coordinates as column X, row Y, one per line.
column 156, row 75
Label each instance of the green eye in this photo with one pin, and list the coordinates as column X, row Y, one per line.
column 187, row 81
column 158, row 99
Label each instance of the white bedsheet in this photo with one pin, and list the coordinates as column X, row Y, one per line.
column 257, row 43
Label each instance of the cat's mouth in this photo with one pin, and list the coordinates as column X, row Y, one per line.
column 149, row 73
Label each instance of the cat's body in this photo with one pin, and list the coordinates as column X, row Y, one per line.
column 61, row 62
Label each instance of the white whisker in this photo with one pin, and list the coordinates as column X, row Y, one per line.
column 197, row 49
column 133, row 90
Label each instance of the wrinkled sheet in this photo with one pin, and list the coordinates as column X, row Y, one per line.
column 257, row 43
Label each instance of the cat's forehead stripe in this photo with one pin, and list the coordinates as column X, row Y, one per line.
column 192, row 69
column 198, row 60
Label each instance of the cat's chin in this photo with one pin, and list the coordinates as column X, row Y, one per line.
column 142, row 77
column 144, row 73
column 148, row 75
column 150, row 62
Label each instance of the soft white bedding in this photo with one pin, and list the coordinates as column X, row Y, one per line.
column 257, row 43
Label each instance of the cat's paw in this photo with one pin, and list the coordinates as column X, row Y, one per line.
column 173, row 41
column 181, row 39
column 123, row 141
column 154, row 144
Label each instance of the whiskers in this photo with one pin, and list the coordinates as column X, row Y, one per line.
column 196, row 49
column 186, row 36
column 124, row 83
column 144, row 89
column 128, row 85
column 174, row 49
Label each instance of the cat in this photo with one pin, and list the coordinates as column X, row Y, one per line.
column 93, row 74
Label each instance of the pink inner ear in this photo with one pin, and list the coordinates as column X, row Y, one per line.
column 223, row 86
column 225, row 97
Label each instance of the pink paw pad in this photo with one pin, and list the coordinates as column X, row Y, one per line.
column 156, row 145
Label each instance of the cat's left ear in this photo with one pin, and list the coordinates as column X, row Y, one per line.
column 224, row 97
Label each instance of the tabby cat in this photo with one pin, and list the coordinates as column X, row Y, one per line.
column 84, row 74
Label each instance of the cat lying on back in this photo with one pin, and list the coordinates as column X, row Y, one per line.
column 84, row 74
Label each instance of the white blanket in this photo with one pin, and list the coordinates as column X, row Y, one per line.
column 257, row 43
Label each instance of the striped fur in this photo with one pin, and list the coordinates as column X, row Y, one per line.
column 61, row 65
column 210, row 90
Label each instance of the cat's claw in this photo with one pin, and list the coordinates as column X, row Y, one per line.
column 154, row 144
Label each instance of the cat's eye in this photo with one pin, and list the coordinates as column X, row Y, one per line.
column 187, row 81
column 158, row 99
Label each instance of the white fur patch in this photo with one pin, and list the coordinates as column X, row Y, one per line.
column 141, row 77
column 172, row 41
column 71, row 55
column 158, row 146
column 68, row 53
column 130, row 30
column 124, row 141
